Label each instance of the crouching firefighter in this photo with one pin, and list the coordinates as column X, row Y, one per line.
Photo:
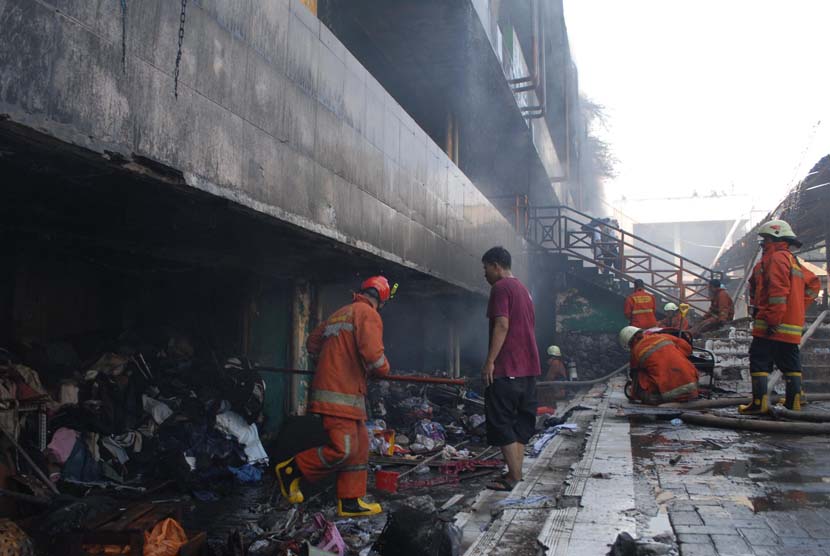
column 780, row 290
column 660, row 367
column 348, row 347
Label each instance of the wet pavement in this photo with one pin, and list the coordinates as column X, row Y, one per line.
column 729, row 492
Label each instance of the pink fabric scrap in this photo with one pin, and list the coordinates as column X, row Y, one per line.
column 332, row 541
column 62, row 443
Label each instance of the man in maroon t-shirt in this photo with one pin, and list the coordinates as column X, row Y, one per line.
column 512, row 365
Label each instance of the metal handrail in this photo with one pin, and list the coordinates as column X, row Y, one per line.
column 621, row 241
column 560, row 233
column 590, row 218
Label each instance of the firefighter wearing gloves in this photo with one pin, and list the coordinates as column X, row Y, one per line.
column 660, row 367
column 348, row 347
column 640, row 307
column 780, row 291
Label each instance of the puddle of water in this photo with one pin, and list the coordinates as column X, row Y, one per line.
column 793, row 471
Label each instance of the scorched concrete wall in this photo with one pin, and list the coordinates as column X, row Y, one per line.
column 273, row 113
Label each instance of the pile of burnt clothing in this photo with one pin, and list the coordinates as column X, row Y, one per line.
column 126, row 418
column 425, row 418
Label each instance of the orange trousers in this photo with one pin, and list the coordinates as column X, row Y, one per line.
column 346, row 454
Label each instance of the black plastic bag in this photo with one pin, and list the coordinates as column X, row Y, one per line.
column 411, row 532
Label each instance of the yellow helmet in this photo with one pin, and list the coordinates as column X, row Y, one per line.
column 626, row 334
column 778, row 229
column 670, row 306
column 554, row 351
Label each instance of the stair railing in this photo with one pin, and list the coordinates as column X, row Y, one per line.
column 565, row 230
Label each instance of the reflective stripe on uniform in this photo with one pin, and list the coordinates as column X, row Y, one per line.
column 661, row 344
column 811, row 293
column 334, row 329
column 777, row 300
column 640, row 311
column 338, row 398
column 790, row 329
column 679, row 391
column 797, row 272
column 347, row 450
column 379, row 363
column 353, row 468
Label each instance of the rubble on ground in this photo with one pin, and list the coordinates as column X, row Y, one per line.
column 161, row 434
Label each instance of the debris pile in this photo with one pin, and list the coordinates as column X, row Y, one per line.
column 129, row 422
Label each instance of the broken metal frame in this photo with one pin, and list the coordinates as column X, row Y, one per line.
column 560, row 229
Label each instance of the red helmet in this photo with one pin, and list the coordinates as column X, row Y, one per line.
column 380, row 284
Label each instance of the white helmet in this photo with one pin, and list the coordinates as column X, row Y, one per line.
column 626, row 334
column 554, row 351
column 778, row 229
column 670, row 306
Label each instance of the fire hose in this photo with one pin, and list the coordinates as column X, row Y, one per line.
column 578, row 383
column 756, row 425
column 451, row 381
column 733, row 401
column 394, row 378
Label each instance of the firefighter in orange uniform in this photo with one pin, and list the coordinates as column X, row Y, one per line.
column 721, row 309
column 556, row 372
column 780, row 291
column 348, row 347
column 674, row 318
column 640, row 307
column 660, row 367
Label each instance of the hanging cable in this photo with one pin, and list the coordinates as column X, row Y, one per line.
column 179, row 52
column 124, row 36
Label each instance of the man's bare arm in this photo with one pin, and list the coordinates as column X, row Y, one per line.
column 500, row 328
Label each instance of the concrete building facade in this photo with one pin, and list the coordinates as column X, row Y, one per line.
column 231, row 171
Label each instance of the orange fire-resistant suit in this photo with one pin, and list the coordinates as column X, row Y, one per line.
column 721, row 310
column 781, row 289
column 348, row 347
column 661, row 371
column 556, row 371
column 676, row 321
column 639, row 309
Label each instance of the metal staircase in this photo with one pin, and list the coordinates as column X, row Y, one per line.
column 616, row 257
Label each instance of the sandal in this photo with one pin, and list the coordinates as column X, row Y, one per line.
column 503, row 484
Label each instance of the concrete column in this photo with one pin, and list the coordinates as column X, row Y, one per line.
column 450, row 350
column 301, row 318
column 453, row 351
column 457, row 354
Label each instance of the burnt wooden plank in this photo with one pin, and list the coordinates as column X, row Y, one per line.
column 128, row 517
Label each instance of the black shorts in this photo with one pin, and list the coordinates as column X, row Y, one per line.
column 764, row 352
column 510, row 409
